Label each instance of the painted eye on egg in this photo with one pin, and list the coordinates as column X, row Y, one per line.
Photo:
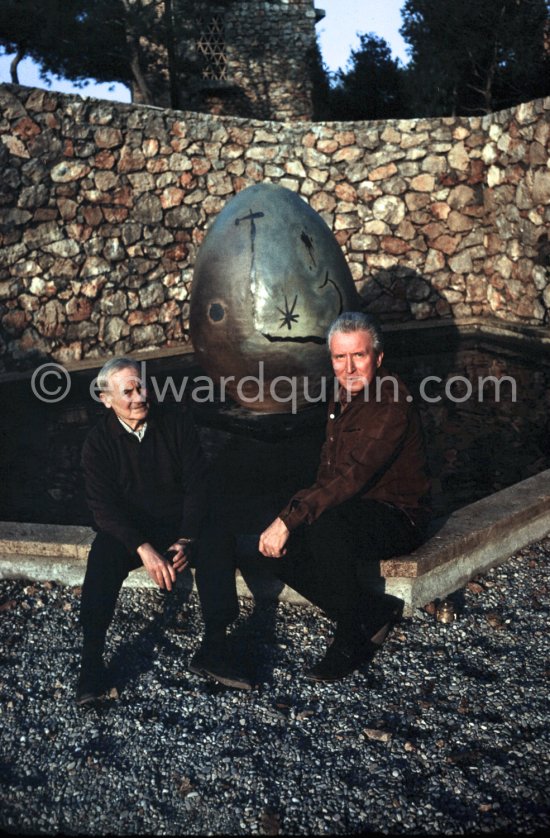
column 216, row 312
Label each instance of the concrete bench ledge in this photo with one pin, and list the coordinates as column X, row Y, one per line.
column 480, row 523
column 470, row 541
column 464, row 544
column 53, row 540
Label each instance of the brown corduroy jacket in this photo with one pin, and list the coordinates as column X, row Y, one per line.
column 374, row 449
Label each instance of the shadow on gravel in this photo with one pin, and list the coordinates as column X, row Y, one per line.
column 137, row 655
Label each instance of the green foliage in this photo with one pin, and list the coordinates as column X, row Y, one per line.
column 81, row 39
column 135, row 42
column 467, row 56
column 372, row 85
column 27, row 27
column 320, row 79
column 474, row 56
column 74, row 39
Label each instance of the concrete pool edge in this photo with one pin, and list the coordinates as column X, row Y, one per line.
column 465, row 543
column 434, row 331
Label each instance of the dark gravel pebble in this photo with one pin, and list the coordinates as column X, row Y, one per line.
column 446, row 732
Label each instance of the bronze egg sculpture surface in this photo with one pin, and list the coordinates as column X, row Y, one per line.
column 269, row 280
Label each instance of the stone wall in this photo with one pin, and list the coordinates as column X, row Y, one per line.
column 103, row 207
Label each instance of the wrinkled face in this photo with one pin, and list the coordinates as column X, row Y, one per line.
column 127, row 396
column 354, row 359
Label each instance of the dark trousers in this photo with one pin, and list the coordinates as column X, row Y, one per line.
column 109, row 563
column 333, row 562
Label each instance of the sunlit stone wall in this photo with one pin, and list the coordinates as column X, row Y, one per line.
column 103, row 207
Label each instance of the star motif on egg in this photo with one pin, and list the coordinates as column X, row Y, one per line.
column 288, row 314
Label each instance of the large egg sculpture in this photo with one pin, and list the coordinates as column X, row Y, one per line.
column 269, row 280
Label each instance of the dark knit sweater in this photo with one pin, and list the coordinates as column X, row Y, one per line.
column 134, row 487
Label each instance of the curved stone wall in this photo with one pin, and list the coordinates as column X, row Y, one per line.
column 103, row 207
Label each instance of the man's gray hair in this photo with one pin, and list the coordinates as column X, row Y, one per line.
column 357, row 321
column 111, row 367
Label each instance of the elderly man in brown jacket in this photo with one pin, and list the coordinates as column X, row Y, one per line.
column 370, row 500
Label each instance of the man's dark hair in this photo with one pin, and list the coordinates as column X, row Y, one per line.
column 357, row 321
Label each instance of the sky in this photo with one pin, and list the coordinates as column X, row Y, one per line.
column 337, row 36
column 345, row 18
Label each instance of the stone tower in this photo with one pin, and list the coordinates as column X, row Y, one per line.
column 249, row 58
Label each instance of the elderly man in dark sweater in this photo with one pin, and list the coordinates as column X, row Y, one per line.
column 146, row 486
column 370, row 500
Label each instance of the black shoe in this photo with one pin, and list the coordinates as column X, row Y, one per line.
column 92, row 681
column 376, row 630
column 213, row 660
column 341, row 659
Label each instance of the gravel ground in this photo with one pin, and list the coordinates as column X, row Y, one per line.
column 444, row 733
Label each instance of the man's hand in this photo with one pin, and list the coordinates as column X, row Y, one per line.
column 182, row 550
column 160, row 570
column 273, row 539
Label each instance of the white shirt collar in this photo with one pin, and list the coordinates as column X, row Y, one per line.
column 139, row 433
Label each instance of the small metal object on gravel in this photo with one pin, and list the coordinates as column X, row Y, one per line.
column 445, row 612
